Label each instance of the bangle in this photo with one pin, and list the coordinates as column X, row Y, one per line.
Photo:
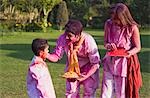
column 108, row 46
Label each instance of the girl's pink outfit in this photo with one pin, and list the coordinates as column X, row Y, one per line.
column 88, row 56
column 39, row 82
column 115, row 68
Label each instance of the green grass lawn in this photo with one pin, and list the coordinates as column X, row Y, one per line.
column 16, row 54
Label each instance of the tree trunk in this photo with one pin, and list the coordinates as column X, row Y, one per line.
column 44, row 24
column 44, row 20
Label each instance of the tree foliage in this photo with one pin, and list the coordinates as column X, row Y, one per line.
column 78, row 9
column 140, row 9
column 62, row 15
column 47, row 6
column 90, row 12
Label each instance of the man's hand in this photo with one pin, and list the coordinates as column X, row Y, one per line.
column 82, row 78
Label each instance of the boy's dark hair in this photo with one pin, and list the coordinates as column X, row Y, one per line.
column 39, row 44
column 74, row 26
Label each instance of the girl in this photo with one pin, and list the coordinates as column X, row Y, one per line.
column 121, row 32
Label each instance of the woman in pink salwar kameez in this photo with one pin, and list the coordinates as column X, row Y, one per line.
column 39, row 82
column 121, row 32
column 88, row 59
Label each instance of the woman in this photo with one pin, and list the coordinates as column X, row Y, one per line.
column 121, row 33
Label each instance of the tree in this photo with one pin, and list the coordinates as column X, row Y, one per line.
column 77, row 10
column 62, row 15
column 47, row 6
column 101, row 9
column 143, row 8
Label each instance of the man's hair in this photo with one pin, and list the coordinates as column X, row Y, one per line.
column 38, row 45
column 73, row 26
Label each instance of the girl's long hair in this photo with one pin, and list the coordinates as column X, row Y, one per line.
column 122, row 14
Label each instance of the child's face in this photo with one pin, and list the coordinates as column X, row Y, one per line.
column 44, row 53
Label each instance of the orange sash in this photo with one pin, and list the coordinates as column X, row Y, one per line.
column 73, row 59
column 73, row 67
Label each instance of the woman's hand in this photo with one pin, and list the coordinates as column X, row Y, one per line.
column 111, row 46
column 129, row 54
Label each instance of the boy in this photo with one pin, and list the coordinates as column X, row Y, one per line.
column 39, row 83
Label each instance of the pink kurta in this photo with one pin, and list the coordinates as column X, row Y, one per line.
column 39, row 82
column 115, row 68
column 88, row 56
column 121, row 36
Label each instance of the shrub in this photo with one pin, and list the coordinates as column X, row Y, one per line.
column 32, row 27
column 95, row 23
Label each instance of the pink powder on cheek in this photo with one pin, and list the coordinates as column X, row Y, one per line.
column 73, row 39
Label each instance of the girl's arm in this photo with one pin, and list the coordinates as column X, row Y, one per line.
column 108, row 46
column 135, row 42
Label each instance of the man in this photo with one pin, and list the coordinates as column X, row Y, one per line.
column 83, row 46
